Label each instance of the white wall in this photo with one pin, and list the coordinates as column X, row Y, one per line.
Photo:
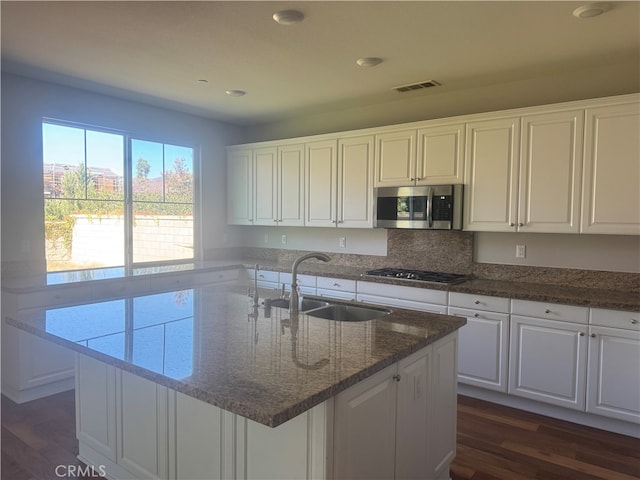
column 24, row 104
column 363, row 241
column 615, row 253
column 616, row 78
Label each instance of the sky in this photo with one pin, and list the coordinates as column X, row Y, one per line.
column 63, row 144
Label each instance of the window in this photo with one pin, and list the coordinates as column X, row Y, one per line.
column 115, row 201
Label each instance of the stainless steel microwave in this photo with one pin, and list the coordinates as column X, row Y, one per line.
column 433, row 207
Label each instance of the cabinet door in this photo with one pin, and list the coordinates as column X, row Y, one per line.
column 440, row 155
column 142, row 426
column 491, row 175
column 395, row 158
column 413, row 409
column 355, row 175
column 240, row 187
column 551, row 172
column 320, row 184
column 484, row 344
column 96, row 406
column 611, row 188
column 290, row 185
column 613, row 388
column 265, row 165
column 548, row 361
column 443, row 407
column 364, row 428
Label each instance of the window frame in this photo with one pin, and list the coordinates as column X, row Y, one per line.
column 128, row 264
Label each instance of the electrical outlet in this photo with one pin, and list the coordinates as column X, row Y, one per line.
column 284, row 239
column 342, row 242
column 521, row 251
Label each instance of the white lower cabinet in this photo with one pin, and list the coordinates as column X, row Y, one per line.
column 613, row 382
column 398, row 423
column 121, row 421
column 484, row 341
column 548, row 356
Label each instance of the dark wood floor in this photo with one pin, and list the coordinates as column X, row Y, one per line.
column 494, row 442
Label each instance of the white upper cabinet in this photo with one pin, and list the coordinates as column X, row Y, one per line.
column 491, row 175
column 423, row 156
column 265, row 165
column 355, row 178
column 266, row 185
column 395, row 158
column 279, row 185
column 440, row 155
column 550, row 172
column 240, row 186
column 611, row 186
column 338, row 183
column 523, row 173
column 320, row 183
column 290, row 181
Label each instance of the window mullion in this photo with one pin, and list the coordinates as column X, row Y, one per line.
column 128, row 207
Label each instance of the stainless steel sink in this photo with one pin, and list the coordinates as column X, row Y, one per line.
column 305, row 304
column 348, row 313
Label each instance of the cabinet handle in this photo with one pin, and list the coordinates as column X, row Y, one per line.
column 593, row 335
column 512, row 224
column 275, row 219
column 396, row 377
column 582, row 334
column 341, row 221
column 634, row 322
column 521, row 224
column 476, row 315
column 547, row 311
column 412, row 179
column 477, row 302
column 336, row 284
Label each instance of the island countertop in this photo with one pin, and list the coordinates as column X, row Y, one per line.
column 210, row 343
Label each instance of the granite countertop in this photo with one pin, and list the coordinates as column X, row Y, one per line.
column 563, row 294
column 515, row 289
column 210, row 343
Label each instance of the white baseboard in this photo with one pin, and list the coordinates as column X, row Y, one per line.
column 581, row 418
column 34, row 393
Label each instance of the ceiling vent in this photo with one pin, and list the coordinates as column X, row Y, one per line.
column 416, row 86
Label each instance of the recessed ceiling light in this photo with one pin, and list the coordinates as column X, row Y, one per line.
column 288, row 17
column 592, row 9
column 369, row 61
column 235, row 93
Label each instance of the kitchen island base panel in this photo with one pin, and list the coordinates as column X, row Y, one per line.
column 187, row 438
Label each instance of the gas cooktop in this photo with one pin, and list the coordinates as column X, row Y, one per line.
column 419, row 275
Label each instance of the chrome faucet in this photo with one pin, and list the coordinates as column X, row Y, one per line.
column 293, row 299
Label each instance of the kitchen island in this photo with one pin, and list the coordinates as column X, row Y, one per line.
column 199, row 383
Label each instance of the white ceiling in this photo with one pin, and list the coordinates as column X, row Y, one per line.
column 156, row 52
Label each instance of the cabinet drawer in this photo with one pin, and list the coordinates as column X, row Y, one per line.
column 222, row 276
column 55, row 296
column 404, row 293
column 479, row 302
column 615, row 318
column 266, row 278
column 550, row 311
column 303, row 280
column 340, row 284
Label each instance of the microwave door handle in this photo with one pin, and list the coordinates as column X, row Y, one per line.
column 430, row 207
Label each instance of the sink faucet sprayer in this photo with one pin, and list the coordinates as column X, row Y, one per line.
column 293, row 299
